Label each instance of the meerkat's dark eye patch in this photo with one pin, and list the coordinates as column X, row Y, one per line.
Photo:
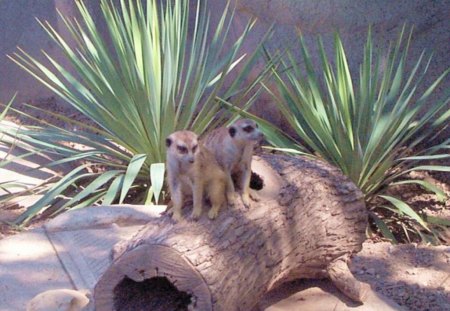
column 182, row 149
column 168, row 142
column 194, row 148
column 232, row 131
column 248, row 128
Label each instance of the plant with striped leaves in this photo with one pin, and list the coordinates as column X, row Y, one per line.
column 154, row 74
column 376, row 127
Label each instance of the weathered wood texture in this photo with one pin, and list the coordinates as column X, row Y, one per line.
column 308, row 216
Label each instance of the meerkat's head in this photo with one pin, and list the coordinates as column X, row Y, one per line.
column 245, row 131
column 183, row 146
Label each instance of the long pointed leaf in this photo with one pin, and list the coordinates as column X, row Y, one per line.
column 157, row 179
column 132, row 171
column 406, row 209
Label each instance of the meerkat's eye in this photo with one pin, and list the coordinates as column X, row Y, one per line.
column 248, row 128
column 182, row 149
column 194, row 148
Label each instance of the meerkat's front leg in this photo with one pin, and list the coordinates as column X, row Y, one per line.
column 244, row 185
column 230, row 191
column 217, row 190
column 198, row 198
column 247, row 192
column 177, row 199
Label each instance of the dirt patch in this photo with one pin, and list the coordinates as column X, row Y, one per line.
column 423, row 203
column 50, row 104
column 8, row 214
column 414, row 276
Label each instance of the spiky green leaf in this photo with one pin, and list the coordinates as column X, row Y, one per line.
column 157, row 179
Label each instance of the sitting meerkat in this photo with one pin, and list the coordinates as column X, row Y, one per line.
column 233, row 149
column 193, row 171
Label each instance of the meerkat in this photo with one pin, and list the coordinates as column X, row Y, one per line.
column 233, row 149
column 193, row 171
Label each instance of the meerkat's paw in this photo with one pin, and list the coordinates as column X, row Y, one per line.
column 254, row 196
column 168, row 211
column 196, row 213
column 246, row 200
column 177, row 216
column 213, row 213
column 232, row 198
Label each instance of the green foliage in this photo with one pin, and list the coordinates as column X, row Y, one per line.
column 153, row 75
column 373, row 127
column 5, row 186
column 8, row 142
column 5, row 110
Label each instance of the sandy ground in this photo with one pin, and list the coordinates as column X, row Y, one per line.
column 414, row 276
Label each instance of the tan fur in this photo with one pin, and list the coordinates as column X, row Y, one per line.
column 193, row 171
column 233, row 149
column 209, row 178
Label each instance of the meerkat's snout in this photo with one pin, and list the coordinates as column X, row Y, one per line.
column 193, row 152
column 259, row 134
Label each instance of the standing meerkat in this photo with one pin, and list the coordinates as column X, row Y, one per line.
column 233, row 149
column 193, row 171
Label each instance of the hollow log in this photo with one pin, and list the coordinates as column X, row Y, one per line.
column 308, row 219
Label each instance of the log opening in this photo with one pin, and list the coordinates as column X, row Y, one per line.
column 151, row 270
column 256, row 182
column 156, row 294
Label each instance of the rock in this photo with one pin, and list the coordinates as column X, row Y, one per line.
column 59, row 300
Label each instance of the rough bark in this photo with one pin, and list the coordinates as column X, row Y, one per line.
column 308, row 220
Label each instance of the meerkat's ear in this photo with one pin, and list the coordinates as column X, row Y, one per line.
column 232, row 131
column 168, row 142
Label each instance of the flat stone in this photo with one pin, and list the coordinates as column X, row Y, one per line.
column 104, row 216
column 59, row 300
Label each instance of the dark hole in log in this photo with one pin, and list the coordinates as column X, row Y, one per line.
column 256, row 182
column 156, row 294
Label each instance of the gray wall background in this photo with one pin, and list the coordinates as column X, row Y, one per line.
column 431, row 19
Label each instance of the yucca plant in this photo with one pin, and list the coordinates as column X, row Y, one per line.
column 157, row 74
column 373, row 127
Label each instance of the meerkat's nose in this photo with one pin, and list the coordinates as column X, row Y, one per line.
column 260, row 137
